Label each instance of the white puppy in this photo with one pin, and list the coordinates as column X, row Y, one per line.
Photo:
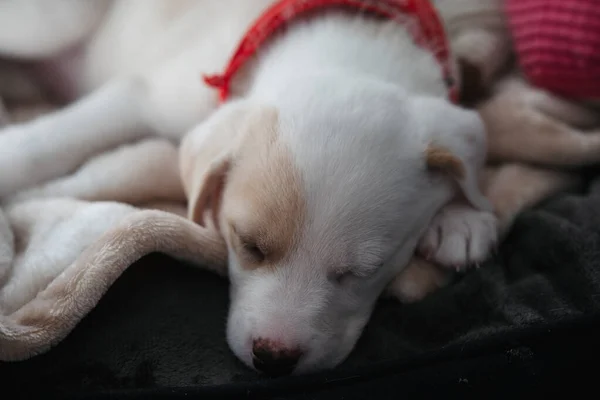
column 335, row 153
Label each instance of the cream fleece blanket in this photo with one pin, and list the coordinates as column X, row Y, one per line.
column 59, row 255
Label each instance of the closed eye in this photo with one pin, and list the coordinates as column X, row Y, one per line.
column 249, row 248
column 342, row 275
column 253, row 251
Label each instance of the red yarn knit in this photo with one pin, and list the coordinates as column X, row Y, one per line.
column 558, row 44
column 428, row 32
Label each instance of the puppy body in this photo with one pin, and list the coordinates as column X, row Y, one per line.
column 337, row 150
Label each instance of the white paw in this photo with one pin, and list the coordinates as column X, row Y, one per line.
column 459, row 236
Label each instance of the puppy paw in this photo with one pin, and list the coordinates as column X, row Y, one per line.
column 459, row 236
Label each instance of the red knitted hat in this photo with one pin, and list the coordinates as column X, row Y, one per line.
column 558, row 44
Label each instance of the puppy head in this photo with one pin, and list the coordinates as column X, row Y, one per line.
column 321, row 200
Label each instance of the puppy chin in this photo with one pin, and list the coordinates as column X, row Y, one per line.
column 325, row 350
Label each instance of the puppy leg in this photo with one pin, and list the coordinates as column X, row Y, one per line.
column 419, row 279
column 57, row 143
column 35, row 29
column 569, row 113
column 517, row 130
column 513, row 188
column 147, row 171
column 460, row 236
column 527, row 125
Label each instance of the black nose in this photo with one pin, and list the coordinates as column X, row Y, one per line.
column 272, row 360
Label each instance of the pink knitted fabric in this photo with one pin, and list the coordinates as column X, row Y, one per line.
column 558, row 44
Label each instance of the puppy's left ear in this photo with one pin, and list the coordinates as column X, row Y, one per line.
column 205, row 157
column 208, row 190
column 209, row 151
column 455, row 145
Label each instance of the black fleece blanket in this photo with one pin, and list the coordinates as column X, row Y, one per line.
column 528, row 319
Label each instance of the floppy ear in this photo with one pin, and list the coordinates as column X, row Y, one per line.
column 206, row 155
column 207, row 192
column 456, row 145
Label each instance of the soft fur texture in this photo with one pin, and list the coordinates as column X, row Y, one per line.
column 320, row 200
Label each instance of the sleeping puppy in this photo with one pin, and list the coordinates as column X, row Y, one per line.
column 320, row 210
column 337, row 151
